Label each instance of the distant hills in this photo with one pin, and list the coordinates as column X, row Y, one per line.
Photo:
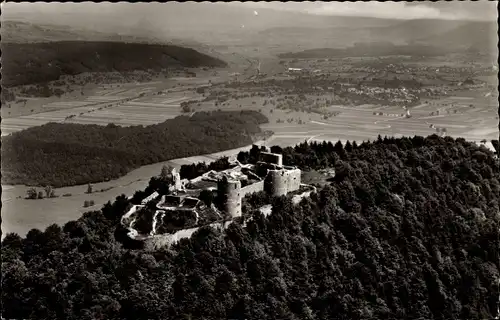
column 25, row 32
column 14, row 31
column 27, row 63
column 409, row 31
column 201, row 21
column 39, row 52
column 475, row 36
column 367, row 49
column 204, row 26
column 219, row 23
column 447, row 35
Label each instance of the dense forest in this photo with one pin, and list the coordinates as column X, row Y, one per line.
column 28, row 63
column 407, row 229
column 70, row 154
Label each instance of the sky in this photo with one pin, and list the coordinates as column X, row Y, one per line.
column 471, row 10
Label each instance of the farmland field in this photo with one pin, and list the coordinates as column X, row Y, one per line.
column 475, row 119
column 128, row 104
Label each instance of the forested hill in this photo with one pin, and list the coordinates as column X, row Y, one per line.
column 68, row 154
column 17, row 31
column 27, row 63
column 408, row 229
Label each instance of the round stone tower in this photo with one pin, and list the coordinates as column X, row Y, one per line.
column 229, row 191
column 276, row 183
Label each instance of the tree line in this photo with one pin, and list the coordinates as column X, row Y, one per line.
column 64, row 154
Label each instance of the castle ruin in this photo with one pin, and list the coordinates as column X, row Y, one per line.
column 231, row 186
column 270, row 176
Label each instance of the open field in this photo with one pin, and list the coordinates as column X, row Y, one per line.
column 85, row 105
column 122, row 105
column 475, row 119
column 142, row 111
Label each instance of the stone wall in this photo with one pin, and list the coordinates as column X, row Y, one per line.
column 272, row 158
column 294, row 179
column 276, row 183
column 230, row 192
column 252, row 188
column 281, row 182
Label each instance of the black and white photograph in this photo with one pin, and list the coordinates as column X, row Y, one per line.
column 250, row 160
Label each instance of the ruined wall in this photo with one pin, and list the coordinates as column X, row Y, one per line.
column 252, row 188
column 293, row 182
column 176, row 179
column 230, row 196
column 276, row 183
column 281, row 182
column 273, row 158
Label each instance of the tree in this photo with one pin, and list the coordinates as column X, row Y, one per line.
column 31, row 193
column 348, row 146
column 49, row 192
column 166, row 172
column 88, row 203
column 185, row 107
column 200, row 90
column 207, row 197
column 276, row 149
column 339, row 149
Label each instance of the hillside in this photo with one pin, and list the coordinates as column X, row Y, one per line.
column 449, row 35
column 25, row 32
column 71, row 154
column 14, row 31
column 186, row 20
column 368, row 49
column 27, row 63
column 480, row 37
column 408, row 229
column 405, row 31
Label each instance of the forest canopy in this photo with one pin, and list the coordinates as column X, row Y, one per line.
column 407, row 229
column 29, row 63
column 70, row 154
